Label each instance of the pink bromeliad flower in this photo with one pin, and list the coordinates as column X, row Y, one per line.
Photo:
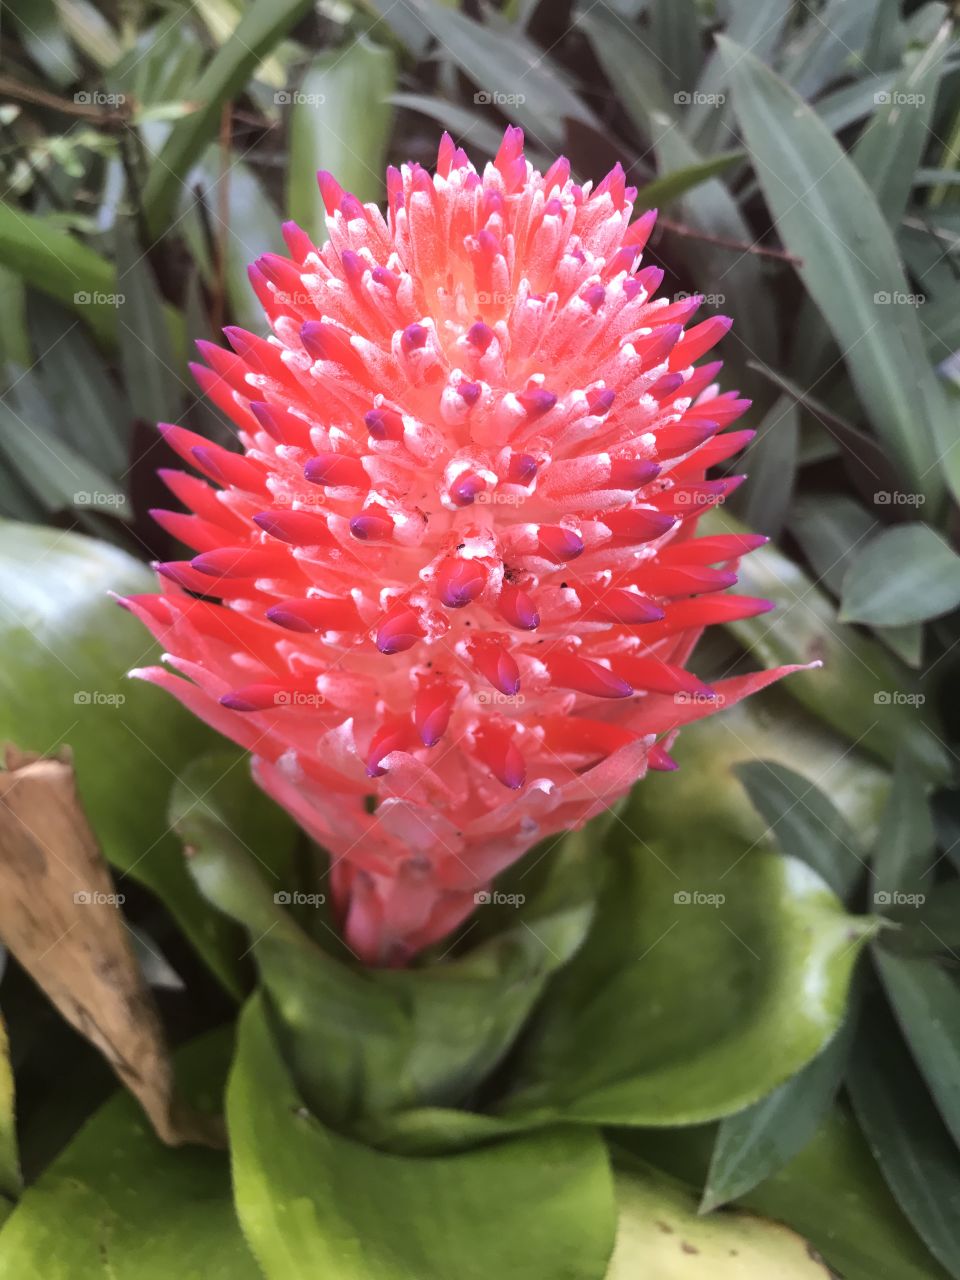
column 455, row 574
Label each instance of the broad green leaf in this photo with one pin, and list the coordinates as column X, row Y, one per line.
column 904, row 852
column 830, row 528
column 61, row 478
column 261, row 27
column 86, row 409
column 40, row 32
column 773, row 467
column 117, row 1203
column 513, row 74
column 11, row 1181
column 90, row 31
column 673, row 33
column 67, row 648
column 829, row 45
column 755, row 24
column 670, row 186
column 146, row 355
column 734, row 281
column 755, row 1143
column 61, row 266
column 930, row 927
column 827, row 215
column 832, row 1193
column 906, row 574
column 907, row 1137
column 58, row 264
column 926, row 1002
column 340, row 120
column 804, row 823
column 313, row 1203
column 695, row 918
column 15, row 347
column 632, row 68
column 363, row 1043
column 860, row 691
column 660, row 1236
column 893, row 143
column 474, row 130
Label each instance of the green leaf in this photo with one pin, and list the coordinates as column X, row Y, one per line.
column 892, row 146
column 905, row 574
column 805, row 823
column 674, row 35
column 314, row 1203
column 827, row 215
column 832, row 1193
column 514, row 72
column 930, row 927
column 61, row 478
column 661, row 1236
column 751, row 946
column 631, row 66
column 904, row 851
column 907, row 1137
column 860, row 691
column 146, row 354
column 117, row 1203
column 59, row 265
column 66, row 649
column 670, row 186
column 830, row 528
column 340, row 120
column 85, row 407
column 364, row 1043
column 926, row 1001
column 773, row 467
column 260, row 29
column 755, row 1143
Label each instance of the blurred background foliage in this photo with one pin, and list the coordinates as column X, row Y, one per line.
column 805, row 157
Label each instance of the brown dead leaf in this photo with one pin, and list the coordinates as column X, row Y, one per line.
column 60, row 916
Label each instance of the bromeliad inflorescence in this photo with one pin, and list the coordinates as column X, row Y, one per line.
column 454, row 567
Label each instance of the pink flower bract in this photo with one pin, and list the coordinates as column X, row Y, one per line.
column 454, row 570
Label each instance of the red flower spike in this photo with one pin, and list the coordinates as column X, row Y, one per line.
column 415, row 441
